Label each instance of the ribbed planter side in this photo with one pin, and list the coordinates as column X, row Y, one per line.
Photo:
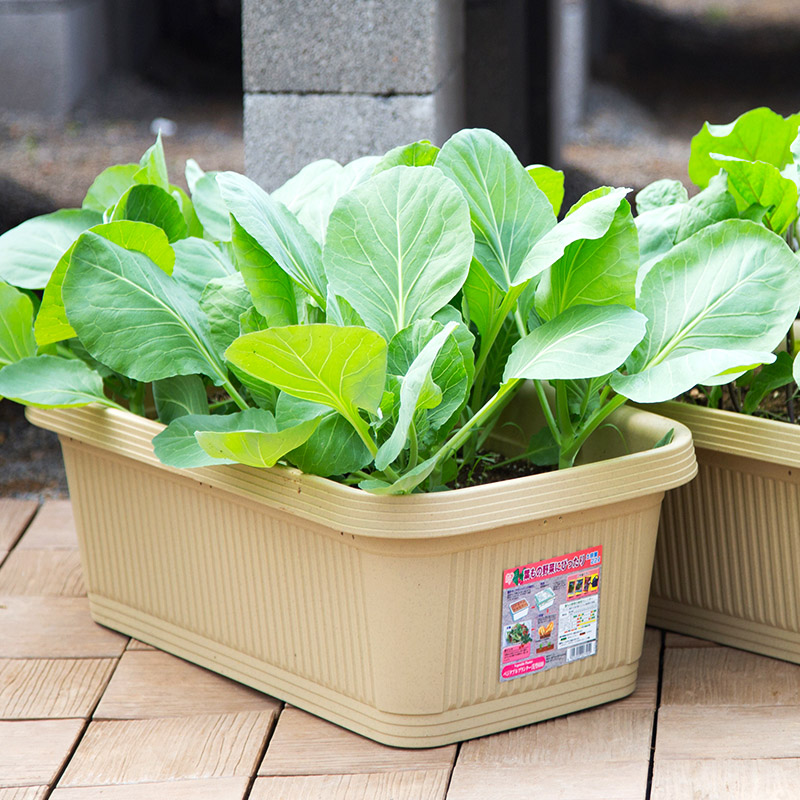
column 728, row 551
column 380, row 614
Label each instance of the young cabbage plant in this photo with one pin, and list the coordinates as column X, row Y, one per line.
column 370, row 322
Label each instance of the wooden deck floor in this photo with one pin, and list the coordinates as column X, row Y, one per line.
column 88, row 714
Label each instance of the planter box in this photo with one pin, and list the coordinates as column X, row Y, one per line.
column 383, row 614
column 728, row 553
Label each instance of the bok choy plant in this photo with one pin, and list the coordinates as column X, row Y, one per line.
column 369, row 322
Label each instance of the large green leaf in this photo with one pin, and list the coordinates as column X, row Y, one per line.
column 597, row 258
column 148, row 203
column 664, row 192
column 179, row 396
column 109, row 186
column 731, row 286
column 759, row 183
column 482, row 297
column 582, row 342
column 509, row 212
column 16, row 325
column 153, row 166
column 51, row 382
column 196, row 263
column 29, row 253
column 270, row 287
column 277, row 231
column 224, row 301
column 551, row 182
column 176, row 445
column 758, row 135
column 416, row 154
column 343, row 368
column 769, row 378
column 210, row 209
column 133, row 317
column 399, row 247
column 51, row 321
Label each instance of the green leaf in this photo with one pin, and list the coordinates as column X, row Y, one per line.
column 179, row 396
column 416, row 154
column 665, row 192
column 109, row 186
column 51, row 382
column 51, row 321
column 413, row 381
column 582, row 342
column 758, row 135
column 192, row 172
column 271, row 288
column 769, row 378
column 761, row 184
column 731, row 286
column 146, row 203
column 176, row 445
column 257, row 441
column 153, row 166
column 210, row 208
column 508, row 210
column 224, row 300
column 542, row 449
column 482, row 296
column 593, row 260
column 193, row 225
column 343, row 368
column 29, row 253
column 134, row 318
column 406, row 483
column 551, row 182
column 277, row 231
column 196, row 263
column 16, row 325
column 398, row 247
column 334, row 448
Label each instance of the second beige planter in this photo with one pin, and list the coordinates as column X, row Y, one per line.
column 728, row 556
column 416, row 621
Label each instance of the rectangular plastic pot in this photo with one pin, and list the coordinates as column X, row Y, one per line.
column 381, row 614
column 728, row 553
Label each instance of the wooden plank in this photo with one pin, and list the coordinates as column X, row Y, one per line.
column 727, row 733
column 53, row 627
column 604, row 735
column 52, row 688
column 307, row 745
column 573, row 780
column 24, row 793
column 214, row 789
column 56, row 573
column 679, row 640
column 721, row 676
column 32, row 753
column 135, row 644
column 14, row 517
column 177, row 748
column 156, row 684
column 712, row 780
column 52, row 529
column 403, row 785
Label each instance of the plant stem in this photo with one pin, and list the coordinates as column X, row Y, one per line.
column 568, row 453
column 234, row 395
column 737, row 407
column 548, row 412
column 562, row 409
column 413, row 453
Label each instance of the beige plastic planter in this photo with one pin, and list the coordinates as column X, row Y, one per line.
column 728, row 554
column 387, row 615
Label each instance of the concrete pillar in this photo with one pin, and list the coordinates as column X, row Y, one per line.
column 346, row 78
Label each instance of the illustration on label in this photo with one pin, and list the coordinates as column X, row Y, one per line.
column 550, row 613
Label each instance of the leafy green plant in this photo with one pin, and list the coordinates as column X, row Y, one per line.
column 370, row 322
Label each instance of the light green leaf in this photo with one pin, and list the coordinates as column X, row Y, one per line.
column 665, row 192
column 192, row 172
column 768, row 379
column 224, row 300
column 29, row 253
column 257, row 441
column 399, row 246
column 759, row 183
column 134, row 318
column 582, row 342
column 509, row 212
column 758, row 135
column 51, row 382
column 210, row 209
column 16, row 325
column 51, row 321
column 591, row 221
column 416, row 154
column 796, row 369
column 271, row 288
column 193, row 225
column 551, row 182
column 179, row 396
column 482, row 297
column 146, row 203
column 406, row 483
column 343, row 368
column 196, row 263
column 731, row 286
column 153, row 166
column 109, row 186
column 277, row 231
column 176, row 445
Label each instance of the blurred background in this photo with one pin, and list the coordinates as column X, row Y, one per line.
column 610, row 91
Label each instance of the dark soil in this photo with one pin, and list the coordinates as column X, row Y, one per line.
column 491, row 469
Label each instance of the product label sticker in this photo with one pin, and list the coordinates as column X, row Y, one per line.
column 550, row 612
